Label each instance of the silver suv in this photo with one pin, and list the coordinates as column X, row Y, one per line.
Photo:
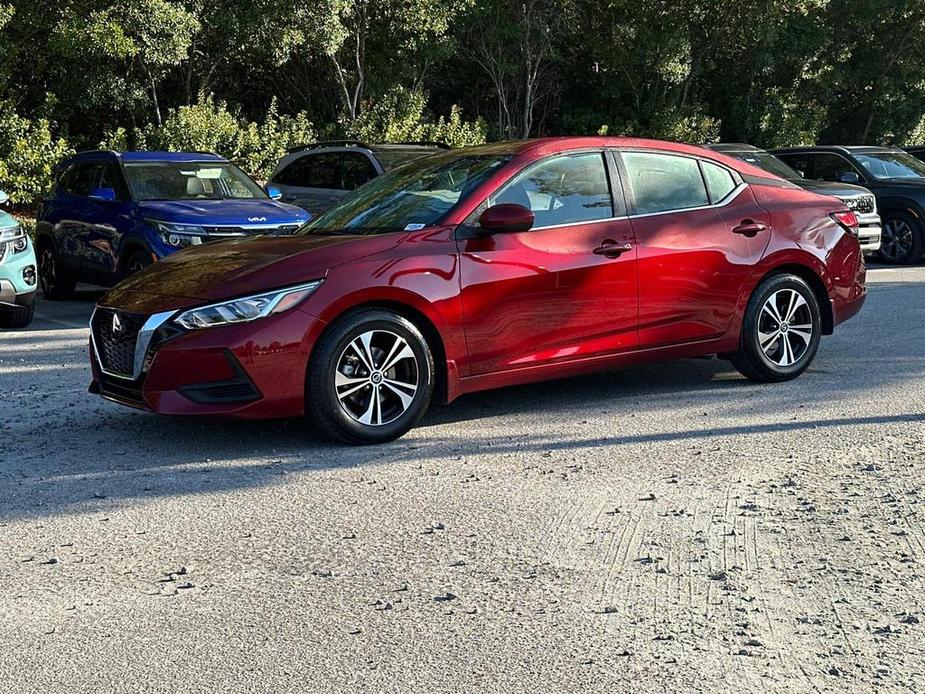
column 314, row 176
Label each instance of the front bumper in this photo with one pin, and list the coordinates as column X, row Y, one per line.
column 18, row 278
column 253, row 370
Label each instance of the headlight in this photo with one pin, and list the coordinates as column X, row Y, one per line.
column 246, row 308
column 179, row 235
column 12, row 240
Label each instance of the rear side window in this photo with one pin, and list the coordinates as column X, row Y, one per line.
column 828, row 167
column 720, row 182
column 567, row 189
column 358, row 169
column 322, row 170
column 663, row 182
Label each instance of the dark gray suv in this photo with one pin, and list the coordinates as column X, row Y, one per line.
column 314, row 176
column 895, row 177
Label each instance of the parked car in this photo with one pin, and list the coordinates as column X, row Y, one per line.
column 17, row 272
column 485, row 267
column 858, row 199
column 111, row 214
column 317, row 175
column 895, row 177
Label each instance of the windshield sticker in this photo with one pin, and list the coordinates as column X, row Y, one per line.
column 414, row 227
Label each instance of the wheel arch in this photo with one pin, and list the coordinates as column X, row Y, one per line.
column 446, row 377
column 815, row 282
column 131, row 245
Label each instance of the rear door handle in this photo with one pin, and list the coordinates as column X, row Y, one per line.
column 749, row 228
column 612, row 249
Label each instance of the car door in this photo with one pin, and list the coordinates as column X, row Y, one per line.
column 564, row 290
column 107, row 220
column 699, row 231
column 74, row 213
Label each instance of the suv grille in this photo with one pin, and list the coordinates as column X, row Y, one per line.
column 220, row 232
column 115, row 334
column 861, row 204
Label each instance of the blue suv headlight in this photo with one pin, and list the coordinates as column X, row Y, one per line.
column 179, row 235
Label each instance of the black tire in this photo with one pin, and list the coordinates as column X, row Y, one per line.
column 337, row 413
column 771, row 364
column 137, row 261
column 56, row 282
column 19, row 317
column 903, row 240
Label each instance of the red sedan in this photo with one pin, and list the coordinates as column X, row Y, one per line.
column 485, row 267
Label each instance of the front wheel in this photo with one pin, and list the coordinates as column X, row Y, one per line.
column 370, row 379
column 903, row 239
column 19, row 317
column 781, row 330
column 137, row 262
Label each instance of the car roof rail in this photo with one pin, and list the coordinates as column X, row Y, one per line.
column 421, row 143
column 325, row 143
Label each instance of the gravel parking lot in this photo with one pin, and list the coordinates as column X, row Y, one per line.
column 673, row 527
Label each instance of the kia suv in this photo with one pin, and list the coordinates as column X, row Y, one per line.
column 485, row 267
column 17, row 273
column 858, row 199
column 317, row 175
column 111, row 214
column 895, row 177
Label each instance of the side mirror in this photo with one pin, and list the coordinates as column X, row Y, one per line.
column 274, row 192
column 849, row 177
column 4, row 198
column 103, row 194
column 506, row 218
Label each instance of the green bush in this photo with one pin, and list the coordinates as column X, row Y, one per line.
column 400, row 116
column 29, row 152
column 210, row 126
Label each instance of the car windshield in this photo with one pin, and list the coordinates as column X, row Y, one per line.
column 171, row 180
column 412, row 197
column 768, row 162
column 891, row 165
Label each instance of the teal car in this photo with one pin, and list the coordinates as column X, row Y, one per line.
column 17, row 273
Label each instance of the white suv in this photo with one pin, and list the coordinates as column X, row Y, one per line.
column 314, row 176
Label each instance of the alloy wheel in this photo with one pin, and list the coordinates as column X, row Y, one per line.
column 897, row 240
column 785, row 327
column 47, row 271
column 377, row 377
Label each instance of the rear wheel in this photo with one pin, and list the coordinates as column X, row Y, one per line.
column 56, row 282
column 903, row 239
column 781, row 330
column 371, row 378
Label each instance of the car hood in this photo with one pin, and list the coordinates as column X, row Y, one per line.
column 7, row 220
column 223, row 212
column 227, row 269
column 838, row 190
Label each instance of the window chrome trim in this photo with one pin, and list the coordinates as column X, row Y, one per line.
column 142, row 341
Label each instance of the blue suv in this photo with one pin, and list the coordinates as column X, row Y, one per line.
column 111, row 214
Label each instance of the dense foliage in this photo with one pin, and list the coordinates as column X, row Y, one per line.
column 249, row 78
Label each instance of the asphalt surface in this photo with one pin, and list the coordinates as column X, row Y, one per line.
column 668, row 528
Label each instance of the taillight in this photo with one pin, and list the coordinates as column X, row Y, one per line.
column 847, row 219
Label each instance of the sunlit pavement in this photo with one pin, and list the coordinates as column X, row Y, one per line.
column 671, row 527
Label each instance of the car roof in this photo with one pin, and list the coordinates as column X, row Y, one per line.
column 732, row 147
column 138, row 156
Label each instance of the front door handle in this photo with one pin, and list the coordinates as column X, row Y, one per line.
column 749, row 228
column 611, row 249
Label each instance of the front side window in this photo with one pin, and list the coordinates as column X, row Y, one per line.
column 412, row 197
column 168, row 180
column 664, row 182
column 830, row 167
column 891, row 165
column 720, row 182
column 566, row 189
column 321, row 170
column 357, row 170
column 81, row 179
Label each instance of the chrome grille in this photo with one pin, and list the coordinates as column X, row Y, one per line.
column 115, row 335
column 861, row 204
column 283, row 229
